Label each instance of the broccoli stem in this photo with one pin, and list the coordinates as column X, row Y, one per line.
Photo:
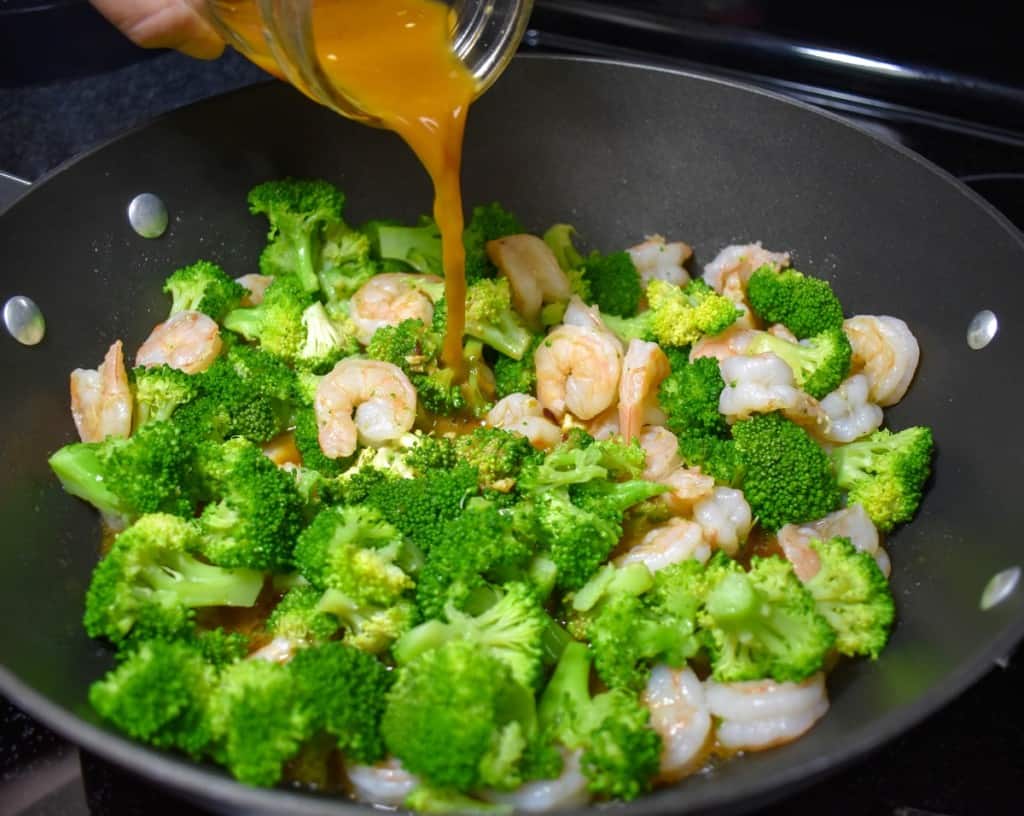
column 197, row 584
column 79, row 470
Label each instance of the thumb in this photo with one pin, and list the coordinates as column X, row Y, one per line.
column 174, row 24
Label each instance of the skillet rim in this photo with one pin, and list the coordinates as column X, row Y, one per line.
column 213, row 785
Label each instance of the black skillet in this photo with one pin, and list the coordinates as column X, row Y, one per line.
column 621, row 152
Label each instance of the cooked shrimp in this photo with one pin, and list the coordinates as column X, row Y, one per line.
column 577, row 371
column 643, row 369
column 762, row 714
column 688, row 486
column 680, row 715
column 524, row 415
column 387, row 783
column 656, row 260
column 388, row 299
column 851, row 522
column 764, row 383
column 725, row 518
column 257, row 287
column 669, row 543
column 887, row 352
column 569, row 788
column 735, row 264
column 365, row 401
column 533, row 273
column 101, row 399
column 662, row 452
column 850, row 414
column 188, row 341
column 730, row 343
column 605, row 425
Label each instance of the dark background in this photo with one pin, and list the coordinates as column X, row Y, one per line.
column 947, row 82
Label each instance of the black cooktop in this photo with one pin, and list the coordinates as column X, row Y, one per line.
column 945, row 87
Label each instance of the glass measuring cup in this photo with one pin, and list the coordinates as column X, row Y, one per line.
column 278, row 36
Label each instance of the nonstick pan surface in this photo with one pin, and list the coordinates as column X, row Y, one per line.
column 620, row 151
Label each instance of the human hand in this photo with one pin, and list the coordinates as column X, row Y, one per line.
column 174, row 24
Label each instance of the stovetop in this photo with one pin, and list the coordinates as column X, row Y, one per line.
column 892, row 73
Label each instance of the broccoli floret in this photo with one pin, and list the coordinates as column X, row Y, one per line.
column 276, row 323
column 886, row 473
column 457, row 717
column 149, row 583
column 630, row 631
column 325, row 342
column 254, row 510
column 678, row 316
column 511, row 630
column 415, row 348
column 819, row 363
column 159, row 390
column 689, row 397
column 353, row 550
column 203, row 287
column 787, row 478
column 430, row 453
column 259, row 720
column 345, row 262
column 852, row 594
column 477, row 389
column 761, row 623
column 160, row 694
column 298, row 210
column 149, row 472
column 417, row 247
column 716, row 457
column 421, row 507
column 497, row 454
column 620, row 751
column 806, row 306
column 298, row 619
column 369, row 627
column 517, row 376
column 220, row 648
column 490, row 317
column 486, row 223
column 346, row 691
column 559, row 238
column 613, row 283
column 580, row 458
column 481, row 543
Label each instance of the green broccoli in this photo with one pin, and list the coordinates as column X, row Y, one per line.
column 298, row 619
column 498, row 455
column 630, row 631
column 160, row 693
column 159, row 390
column 689, row 397
column 430, row 452
column 517, row 376
column 853, row 595
column 580, row 458
column 678, row 316
column 559, row 237
column 457, row 717
column 259, row 721
column 613, row 283
column 621, row 753
column 486, row 223
column 254, row 511
column 490, row 317
column 203, row 287
column 806, row 306
column 276, row 323
column 325, row 341
column 761, row 623
column 345, row 689
column 345, row 262
column 787, row 478
column 149, row 583
column 886, row 473
column 481, row 543
column 819, row 363
column 124, row 478
column 511, row 630
column 418, row 247
column 298, row 211
column 425, row 799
